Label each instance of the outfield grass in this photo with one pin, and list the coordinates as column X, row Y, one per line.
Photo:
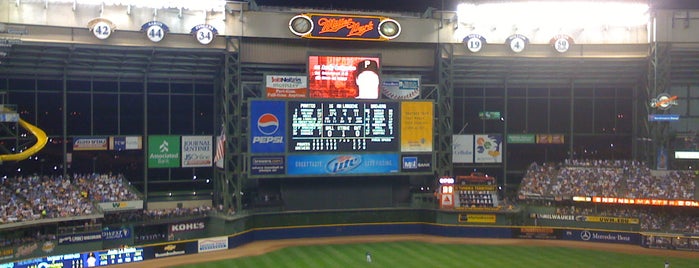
column 421, row 254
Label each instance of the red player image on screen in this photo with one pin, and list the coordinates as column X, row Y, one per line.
column 343, row 77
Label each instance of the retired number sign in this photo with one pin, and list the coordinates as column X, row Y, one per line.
column 102, row 30
column 517, row 44
column 155, row 33
column 474, row 42
column 204, row 33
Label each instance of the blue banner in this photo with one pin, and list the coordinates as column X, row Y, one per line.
column 343, row 164
column 116, row 234
column 79, row 238
column 601, row 236
column 267, row 126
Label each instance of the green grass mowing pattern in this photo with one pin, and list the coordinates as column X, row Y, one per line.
column 422, row 254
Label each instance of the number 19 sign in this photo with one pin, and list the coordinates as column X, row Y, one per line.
column 204, row 33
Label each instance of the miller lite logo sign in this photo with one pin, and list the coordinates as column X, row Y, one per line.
column 345, row 27
column 187, row 227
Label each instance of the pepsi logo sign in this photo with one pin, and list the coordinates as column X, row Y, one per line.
column 268, row 125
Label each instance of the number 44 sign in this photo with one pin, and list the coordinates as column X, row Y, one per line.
column 155, row 30
column 204, row 33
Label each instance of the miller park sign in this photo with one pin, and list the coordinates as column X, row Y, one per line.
column 344, row 27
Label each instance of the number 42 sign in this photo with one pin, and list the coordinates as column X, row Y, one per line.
column 100, row 27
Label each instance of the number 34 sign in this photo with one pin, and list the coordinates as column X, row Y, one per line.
column 204, row 33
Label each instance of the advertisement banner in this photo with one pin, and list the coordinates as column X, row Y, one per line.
column 120, row 206
column 416, row 126
column 79, row 238
column 336, row 164
column 462, row 149
column 169, row 250
column 521, row 138
column 400, row 88
column 416, row 163
column 267, row 165
column 187, row 227
column 197, row 151
column 550, row 138
column 601, row 236
column 163, row 151
column 488, row 148
column 534, row 233
column 477, row 218
column 475, row 187
column 212, row 244
column 120, row 233
column 610, row 219
column 286, row 86
column 267, row 126
column 7, row 253
column 125, row 143
column 90, row 143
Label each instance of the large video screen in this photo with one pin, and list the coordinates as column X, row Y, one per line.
column 343, row 126
column 352, row 77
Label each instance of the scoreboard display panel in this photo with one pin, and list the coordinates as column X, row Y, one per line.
column 312, row 137
column 343, row 126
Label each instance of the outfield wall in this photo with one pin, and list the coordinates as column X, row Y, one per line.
column 230, row 232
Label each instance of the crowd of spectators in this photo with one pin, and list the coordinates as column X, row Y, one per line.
column 618, row 178
column 105, row 187
column 156, row 214
column 26, row 198
column 651, row 219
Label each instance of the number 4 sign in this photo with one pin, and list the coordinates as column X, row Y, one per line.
column 517, row 42
column 155, row 30
column 204, row 33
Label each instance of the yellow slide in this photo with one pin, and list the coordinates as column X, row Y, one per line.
column 41, row 140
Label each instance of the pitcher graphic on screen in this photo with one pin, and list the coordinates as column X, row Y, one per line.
column 367, row 79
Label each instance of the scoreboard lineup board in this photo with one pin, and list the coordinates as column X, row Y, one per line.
column 342, row 126
column 340, row 137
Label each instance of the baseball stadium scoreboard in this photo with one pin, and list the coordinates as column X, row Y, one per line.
column 342, row 126
column 303, row 137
